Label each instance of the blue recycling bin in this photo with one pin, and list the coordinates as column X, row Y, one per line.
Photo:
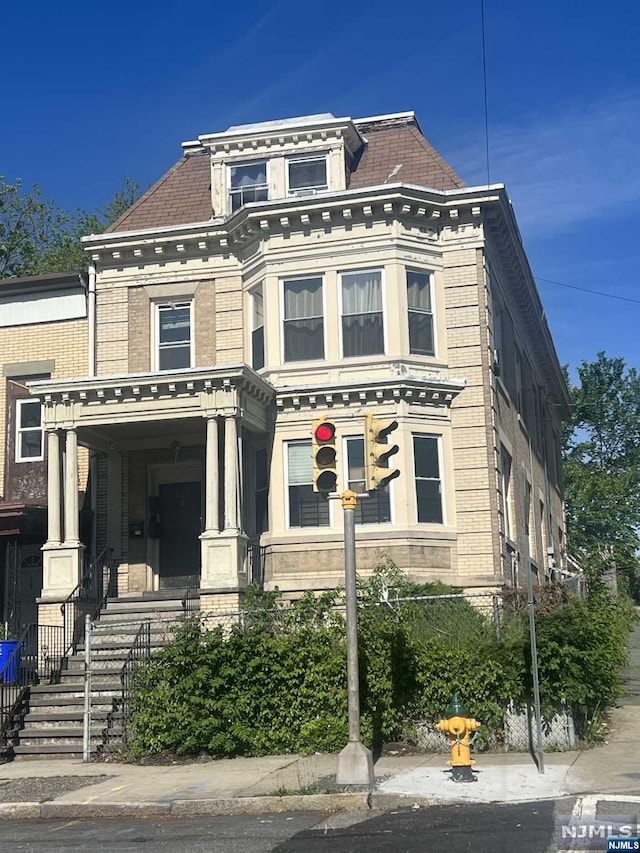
column 9, row 662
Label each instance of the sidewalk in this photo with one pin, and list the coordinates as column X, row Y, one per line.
column 62, row 788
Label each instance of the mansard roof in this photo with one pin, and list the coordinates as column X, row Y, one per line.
column 393, row 150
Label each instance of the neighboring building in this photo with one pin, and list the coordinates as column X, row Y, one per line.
column 282, row 271
column 43, row 335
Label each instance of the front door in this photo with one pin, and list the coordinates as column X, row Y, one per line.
column 180, row 527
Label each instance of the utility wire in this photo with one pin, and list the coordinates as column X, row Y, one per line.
column 587, row 290
column 484, row 79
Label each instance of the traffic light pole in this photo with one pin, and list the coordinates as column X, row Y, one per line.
column 355, row 762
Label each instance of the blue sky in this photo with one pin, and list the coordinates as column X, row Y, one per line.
column 94, row 93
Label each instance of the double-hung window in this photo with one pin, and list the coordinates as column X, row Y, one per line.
column 420, row 313
column 303, row 324
column 306, row 507
column 307, row 175
column 29, row 432
column 247, row 183
column 426, row 455
column 362, row 316
column 174, row 335
column 257, row 328
column 374, row 508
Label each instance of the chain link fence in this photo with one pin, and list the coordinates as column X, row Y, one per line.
column 461, row 620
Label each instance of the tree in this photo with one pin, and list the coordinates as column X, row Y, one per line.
column 602, row 467
column 36, row 236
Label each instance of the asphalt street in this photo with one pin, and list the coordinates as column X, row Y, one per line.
column 487, row 829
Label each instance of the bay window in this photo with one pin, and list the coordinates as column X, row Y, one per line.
column 306, row 507
column 421, row 340
column 362, row 315
column 257, row 328
column 303, row 323
column 374, row 507
column 426, row 454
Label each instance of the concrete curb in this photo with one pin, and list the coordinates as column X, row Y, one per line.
column 360, row 802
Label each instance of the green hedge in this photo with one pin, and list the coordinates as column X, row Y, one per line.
column 278, row 683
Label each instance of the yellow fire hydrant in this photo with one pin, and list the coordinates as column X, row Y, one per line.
column 459, row 726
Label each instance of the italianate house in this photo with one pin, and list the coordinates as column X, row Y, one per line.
column 279, row 273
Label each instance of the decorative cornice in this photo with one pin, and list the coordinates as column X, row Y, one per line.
column 431, row 209
column 160, row 385
column 421, row 391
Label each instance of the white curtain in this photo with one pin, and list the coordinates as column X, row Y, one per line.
column 361, row 292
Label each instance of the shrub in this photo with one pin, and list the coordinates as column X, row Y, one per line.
column 277, row 683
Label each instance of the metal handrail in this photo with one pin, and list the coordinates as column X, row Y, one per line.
column 140, row 650
column 92, row 593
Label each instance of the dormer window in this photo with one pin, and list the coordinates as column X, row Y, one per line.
column 247, row 183
column 307, row 175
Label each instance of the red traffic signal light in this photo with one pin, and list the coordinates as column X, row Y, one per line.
column 324, row 456
column 325, row 431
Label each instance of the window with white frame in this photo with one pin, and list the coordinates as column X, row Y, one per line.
column 303, row 323
column 362, row 315
column 257, row 328
column 29, row 431
column 426, row 454
column 306, row 507
column 505, row 476
column 421, row 340
column 174, row 340
column 374, row 507
column 307, row 175
column 247, row 183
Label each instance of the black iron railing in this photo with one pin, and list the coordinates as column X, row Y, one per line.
column 256, row 558
column 38, row 658
column 98, row 582
column 191, row 600
column 121, row 712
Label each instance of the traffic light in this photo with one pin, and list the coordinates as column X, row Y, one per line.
column 377, row 452
column 324, row 457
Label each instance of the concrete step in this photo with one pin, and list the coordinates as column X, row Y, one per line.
column 63, row 736
column 34, row 752
column 60, row 719
column 114, row 660
column 70, row 691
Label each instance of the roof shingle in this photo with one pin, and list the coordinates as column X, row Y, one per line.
column 395, row 152
column 181, row 196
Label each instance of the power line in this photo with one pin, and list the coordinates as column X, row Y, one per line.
column 587, row 290
column 484, row 79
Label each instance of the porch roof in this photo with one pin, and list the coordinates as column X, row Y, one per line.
column 127, row 407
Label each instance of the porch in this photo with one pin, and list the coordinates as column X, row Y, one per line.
column 169, row 474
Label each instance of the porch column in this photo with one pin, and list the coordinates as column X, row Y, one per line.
column 212, row 484
column 54, row 495
column 71, row 521
column 231, row 472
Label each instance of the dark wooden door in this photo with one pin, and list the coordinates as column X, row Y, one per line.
column 180, row 509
